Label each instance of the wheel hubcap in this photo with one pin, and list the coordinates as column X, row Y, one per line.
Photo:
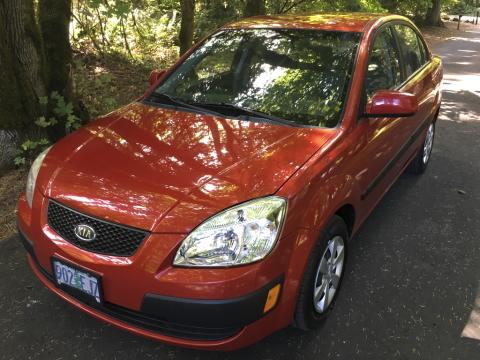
column 329, row 273
column 428, row 144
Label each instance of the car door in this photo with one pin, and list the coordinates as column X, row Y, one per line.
column 384, row 136
column 418, row 74
column 396, row 61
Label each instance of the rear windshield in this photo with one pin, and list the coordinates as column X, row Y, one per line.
column 297, row 75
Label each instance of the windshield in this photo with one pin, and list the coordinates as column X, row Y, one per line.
column 297, row 75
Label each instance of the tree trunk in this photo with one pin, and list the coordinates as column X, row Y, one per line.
column 22, row 65
column 12, row 113
column 432, row 18
column 254, row 8
column 22, row 75
column 187, row 25
column 390, row 5
column 54, row 18
column 10, row 106
column 8, row 140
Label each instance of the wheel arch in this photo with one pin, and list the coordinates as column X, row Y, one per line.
column 435, row 116
column 347, row 213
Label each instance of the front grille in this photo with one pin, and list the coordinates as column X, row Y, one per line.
column 111, row 238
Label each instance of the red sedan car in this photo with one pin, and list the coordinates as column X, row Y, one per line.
column 218, row 207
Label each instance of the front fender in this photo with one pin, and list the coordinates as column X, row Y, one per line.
column 336, row 192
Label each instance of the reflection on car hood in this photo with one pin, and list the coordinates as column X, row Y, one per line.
column 166, row 171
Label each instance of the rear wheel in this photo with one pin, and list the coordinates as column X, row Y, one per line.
column 420, row 161
column 323, row 276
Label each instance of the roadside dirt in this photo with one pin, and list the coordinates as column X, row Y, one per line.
column 13, row 183
column 434, row 34
column 11, row 187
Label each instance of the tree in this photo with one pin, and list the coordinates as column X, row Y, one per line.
column 432, row 17
column 187, row 25
column 22, row 74
column 34, row 55
column 22, row 65
column 34, row 60
column 390, row 5
column 212, row 14
column 54, row 18
column 254, row 8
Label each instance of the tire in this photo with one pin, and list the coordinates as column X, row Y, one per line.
column 322, row 276
column 420, row 161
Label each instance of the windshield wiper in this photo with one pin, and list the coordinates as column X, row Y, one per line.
column 250, row 112
column 179, row 102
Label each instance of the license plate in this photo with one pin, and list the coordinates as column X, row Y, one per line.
column 77, row 278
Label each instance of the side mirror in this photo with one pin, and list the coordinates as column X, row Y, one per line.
column 155, row 75
column 391, row 103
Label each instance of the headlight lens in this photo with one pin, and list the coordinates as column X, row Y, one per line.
column 239, row 235
column 32, row 175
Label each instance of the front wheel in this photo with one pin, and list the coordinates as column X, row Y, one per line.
column 420, row 161
column 323, row 276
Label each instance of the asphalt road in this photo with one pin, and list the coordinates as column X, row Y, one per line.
column 412, row 276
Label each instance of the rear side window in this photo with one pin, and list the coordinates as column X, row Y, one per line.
column 412, row 49
column 423, row 50
column 383, row 71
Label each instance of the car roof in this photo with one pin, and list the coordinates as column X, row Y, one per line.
column 322, row 21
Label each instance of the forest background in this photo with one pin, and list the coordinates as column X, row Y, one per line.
column 64, row 63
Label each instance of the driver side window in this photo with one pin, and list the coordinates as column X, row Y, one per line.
column 413, row 51
column 383, row 71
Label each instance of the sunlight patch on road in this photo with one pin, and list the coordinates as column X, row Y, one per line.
column 465, row 39
column 466, row 88
column 457, row 83
column 472, row 329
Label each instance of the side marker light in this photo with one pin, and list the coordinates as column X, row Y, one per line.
column 272, row 298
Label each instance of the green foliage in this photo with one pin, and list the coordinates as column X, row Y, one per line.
column 42, row 123
column 372, row 6
column 216, row 14
column 91, row 88
column 64, row 111
column 461, row 7
column 94, row 4
column 29, row 150
column 128, row 27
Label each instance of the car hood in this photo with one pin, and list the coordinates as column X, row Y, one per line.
column 166, row 171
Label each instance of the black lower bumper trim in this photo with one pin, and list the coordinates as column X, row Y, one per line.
column 152, row 323
column 27, row 243
column 208, row 320
column 239, row 311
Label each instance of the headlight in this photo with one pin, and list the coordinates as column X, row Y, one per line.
column 32, row 175
column 239, row 235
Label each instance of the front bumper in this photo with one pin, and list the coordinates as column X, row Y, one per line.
column 214, row 309
column 188, row 319
column 185, row 319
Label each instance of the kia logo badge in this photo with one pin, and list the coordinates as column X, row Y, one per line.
column 85, row 233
